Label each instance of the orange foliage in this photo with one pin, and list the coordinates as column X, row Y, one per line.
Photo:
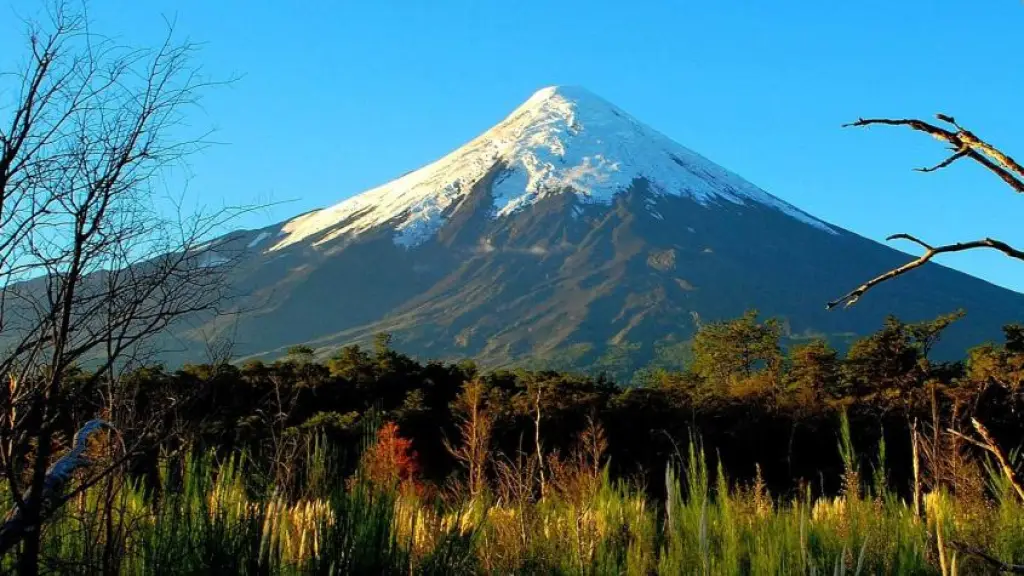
column 391, row 461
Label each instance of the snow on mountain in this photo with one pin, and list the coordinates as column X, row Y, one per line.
column 259, row 238
column 563, row 139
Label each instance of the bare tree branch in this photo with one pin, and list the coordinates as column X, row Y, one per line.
column 850, row 298
column 965, row 144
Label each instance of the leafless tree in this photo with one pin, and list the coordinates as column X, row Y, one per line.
column 537, row 444
column 963, row 144
column 90, row 268
column 476, row 425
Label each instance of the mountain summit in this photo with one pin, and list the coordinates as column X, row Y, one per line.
column 561, row 140
column 570, row 233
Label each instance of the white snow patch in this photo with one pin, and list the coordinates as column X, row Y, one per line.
column 212, row 260
column 563, row 139
column 259, row 238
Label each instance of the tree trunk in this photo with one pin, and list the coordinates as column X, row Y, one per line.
column 31, row 514
column 28, row 561
column 538, row 448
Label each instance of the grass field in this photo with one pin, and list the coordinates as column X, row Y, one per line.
column 219, row 521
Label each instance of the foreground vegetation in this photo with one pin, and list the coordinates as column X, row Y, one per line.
column 215, row 519
column 754, row 459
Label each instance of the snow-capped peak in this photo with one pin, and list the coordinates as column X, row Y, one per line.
column 562, row 139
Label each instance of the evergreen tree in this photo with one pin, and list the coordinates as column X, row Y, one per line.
column 727, row 353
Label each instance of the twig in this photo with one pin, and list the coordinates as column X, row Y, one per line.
column 958, row 155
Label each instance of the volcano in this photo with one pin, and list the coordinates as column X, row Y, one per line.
column 573, row 234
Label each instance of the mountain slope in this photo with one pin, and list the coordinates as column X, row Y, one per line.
column 570, row 228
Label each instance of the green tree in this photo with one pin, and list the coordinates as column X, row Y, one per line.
column 351, row 363
column 301, row 353
column 999, row 365
column 814, row 372
column 725, row 353
column 382, row 344
column 892, row 365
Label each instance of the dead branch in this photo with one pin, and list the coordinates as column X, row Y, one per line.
column 987, row 558
column 964, row 144
column 57, row 477
column 850, row 298
column 989, row 444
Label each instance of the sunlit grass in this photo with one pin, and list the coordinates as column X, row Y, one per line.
column 211, row 521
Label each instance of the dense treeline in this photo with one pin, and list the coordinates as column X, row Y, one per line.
column 759, row 406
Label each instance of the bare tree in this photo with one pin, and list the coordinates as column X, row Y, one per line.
column 963, row 144
column 476, row 425
column 537, row 445
column 90, row 268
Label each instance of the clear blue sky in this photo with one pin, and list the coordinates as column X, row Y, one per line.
column 335, row 97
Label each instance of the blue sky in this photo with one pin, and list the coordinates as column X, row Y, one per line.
column 336, row 97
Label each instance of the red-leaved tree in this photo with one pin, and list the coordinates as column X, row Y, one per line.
column 391, row 461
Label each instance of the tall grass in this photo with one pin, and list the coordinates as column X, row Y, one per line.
column 213, row 521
